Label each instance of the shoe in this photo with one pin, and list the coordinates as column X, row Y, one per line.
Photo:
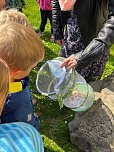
column 52, row 38
column 40, row 34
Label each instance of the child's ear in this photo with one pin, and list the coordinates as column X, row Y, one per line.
column 15, row 73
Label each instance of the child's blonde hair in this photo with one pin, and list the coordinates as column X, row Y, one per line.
column 20, row 46
column 4, row 78
column 7, row 16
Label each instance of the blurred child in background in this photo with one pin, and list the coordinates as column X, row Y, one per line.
column 46, row 13
column 18, row 4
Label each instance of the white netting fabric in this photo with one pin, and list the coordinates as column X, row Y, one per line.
column 66, row 86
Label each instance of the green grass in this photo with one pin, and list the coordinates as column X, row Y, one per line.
column 110, row 65
column 54, row 122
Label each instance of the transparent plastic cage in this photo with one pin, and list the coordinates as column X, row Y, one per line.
column 66, row 86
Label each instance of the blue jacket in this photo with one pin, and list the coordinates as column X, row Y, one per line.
column 19, row 107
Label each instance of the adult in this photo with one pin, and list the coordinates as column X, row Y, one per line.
column 96, row 26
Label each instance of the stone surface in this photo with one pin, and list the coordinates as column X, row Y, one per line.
column 93, row 130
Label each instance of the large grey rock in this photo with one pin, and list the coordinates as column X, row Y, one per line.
column 93, row 130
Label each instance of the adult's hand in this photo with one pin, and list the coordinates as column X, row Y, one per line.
column 69, row 62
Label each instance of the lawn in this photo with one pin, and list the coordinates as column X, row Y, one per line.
column 54, row 122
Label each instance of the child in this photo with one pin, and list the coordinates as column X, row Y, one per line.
column 46, row 13
column 23, row 136
column 7, row 16
column 4, row 83
column 16, row 16
column 18, row 4
column 21, row 48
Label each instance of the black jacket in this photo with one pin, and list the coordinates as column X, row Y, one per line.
column 91, row 14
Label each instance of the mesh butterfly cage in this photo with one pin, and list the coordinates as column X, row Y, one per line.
column 66, row 86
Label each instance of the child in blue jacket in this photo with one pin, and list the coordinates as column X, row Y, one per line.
column 22, row 50
column 17, row 136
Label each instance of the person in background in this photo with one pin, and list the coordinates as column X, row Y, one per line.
column 18, row 4
column 95, row 19
column 14, row 15
column 46, row 13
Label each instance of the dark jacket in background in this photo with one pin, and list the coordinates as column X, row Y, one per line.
column 91, row 14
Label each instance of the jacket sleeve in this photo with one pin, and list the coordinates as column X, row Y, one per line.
column 111, row 7
column 104, row 40
column 56, row 20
